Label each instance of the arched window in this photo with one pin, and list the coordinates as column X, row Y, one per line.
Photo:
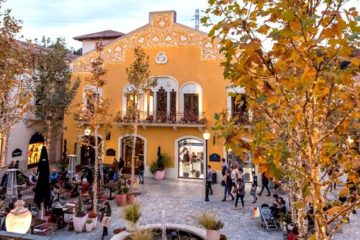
column 237, row 104
column 35, row 144
column 190, row 158
column 191, row 101
column 90, row 94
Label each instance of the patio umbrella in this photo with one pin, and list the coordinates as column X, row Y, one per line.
column 42, row 189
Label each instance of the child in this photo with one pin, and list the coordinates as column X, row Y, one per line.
column 253, row 192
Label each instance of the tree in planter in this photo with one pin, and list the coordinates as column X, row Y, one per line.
column 53, row 90
column 302, row 90
column 94, row 114
column 138, row 76
column 160, row 163
column 16, row 66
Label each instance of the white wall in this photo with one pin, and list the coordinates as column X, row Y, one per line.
column 89, row 45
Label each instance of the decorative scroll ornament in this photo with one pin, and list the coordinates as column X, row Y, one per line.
column 161, row 58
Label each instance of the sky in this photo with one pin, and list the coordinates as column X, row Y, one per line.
column 70, row 18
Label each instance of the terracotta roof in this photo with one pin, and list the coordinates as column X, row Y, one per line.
column 100, row 35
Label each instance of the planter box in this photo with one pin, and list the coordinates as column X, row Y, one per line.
column 130, row 226
column 212, row 235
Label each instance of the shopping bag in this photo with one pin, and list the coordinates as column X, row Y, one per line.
column 256, row 212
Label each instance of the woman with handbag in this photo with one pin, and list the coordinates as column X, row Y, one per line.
column 105, row 218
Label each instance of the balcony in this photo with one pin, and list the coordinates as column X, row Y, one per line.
column 174, row 120
column 240, row 117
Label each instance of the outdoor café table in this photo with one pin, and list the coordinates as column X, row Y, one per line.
column 110, row 186
column 60, row 192
column 35, row 223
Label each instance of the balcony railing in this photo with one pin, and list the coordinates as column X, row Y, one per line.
column 240, row 117
column 163, row 119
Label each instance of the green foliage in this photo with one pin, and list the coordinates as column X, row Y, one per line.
column 209, row 221
column 131, row 212
column 20, row 179
column 121, row 188
column 160, row 163
column 80, row 211
column 285, row 217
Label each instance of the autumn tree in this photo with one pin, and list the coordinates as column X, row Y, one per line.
column 140, row 84
column 93, row 114
column 16, row 65
column 52, row 90
column 297, row 62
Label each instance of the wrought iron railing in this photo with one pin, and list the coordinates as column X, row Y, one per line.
column 239, row 116
column 178, row 118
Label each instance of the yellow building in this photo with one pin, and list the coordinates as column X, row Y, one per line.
column 190, row 89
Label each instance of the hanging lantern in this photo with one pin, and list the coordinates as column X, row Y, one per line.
column 19, row 219
column 87, row 132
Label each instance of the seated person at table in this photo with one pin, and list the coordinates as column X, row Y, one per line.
column 85, row 186
column 70, row 187
column 33, row 177
column 54, row 176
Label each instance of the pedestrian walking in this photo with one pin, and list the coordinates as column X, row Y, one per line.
column 209, row 180
column 228, row 186
column 253, row 192
column 240, row 192
column 141, row 172
column 224, row 167
column 105, row 218
column 265, row 183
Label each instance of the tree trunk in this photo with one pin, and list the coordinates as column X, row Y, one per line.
column 320, row 225
column 133, row 148
column 4, row 147
column 96, row 168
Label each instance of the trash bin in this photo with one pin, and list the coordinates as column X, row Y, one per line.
column 214, row 179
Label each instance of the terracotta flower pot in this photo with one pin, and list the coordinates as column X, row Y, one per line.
column 121, row 199
column 212, row 234
column 130, row 198
column 159, row 175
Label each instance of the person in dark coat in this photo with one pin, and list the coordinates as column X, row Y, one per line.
column 105, row 218
column 42, row 189
column 265, row 183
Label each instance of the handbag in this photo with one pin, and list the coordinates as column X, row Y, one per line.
column 222, row 182
column 106, row 221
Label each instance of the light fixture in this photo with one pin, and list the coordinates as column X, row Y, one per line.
column 19, row 219
column 206, row 135
column 350, row 140
column 87, row 132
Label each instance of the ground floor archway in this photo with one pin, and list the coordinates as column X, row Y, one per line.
column 34, row 149
column 87, row 152
column 190, row 155
column 125, row 151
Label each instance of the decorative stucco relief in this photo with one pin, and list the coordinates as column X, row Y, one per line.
column 161, row 33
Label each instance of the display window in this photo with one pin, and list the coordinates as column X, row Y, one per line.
column 191, row 158
column 35, row 145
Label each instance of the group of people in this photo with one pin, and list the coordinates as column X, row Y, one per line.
column 234, row 180
column 117, row 169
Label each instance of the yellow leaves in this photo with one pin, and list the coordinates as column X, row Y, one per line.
column 263, row 29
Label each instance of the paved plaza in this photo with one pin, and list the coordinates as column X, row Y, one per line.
column 183, row 200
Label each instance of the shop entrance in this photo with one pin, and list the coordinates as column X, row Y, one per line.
column 126, row 152
column 191, row 158
column 88, row 150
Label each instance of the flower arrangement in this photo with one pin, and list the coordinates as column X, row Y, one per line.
column 80, row 212
column 209, row 221
column 121, row 189
column 92, row 215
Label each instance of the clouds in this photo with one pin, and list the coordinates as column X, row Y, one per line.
column 69, row 18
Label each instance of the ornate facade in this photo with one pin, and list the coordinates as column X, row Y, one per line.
column 190, row 89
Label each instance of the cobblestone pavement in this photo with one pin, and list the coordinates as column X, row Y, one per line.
column 183, row 200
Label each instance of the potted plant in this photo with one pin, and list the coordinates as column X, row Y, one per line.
column 21, row 180
column 142, row 235
column 121, row 194
column 157, row 168
column 212, row 225
column 80, row 217
column 92, row 216
column 89, row 225
column 285, row 219
column 131, row 214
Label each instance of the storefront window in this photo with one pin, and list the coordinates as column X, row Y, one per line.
column 244, row 161
column 34, row 150
column 191, row 158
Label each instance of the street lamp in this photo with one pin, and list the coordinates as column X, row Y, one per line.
column 87, row 132
column 206, row 136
